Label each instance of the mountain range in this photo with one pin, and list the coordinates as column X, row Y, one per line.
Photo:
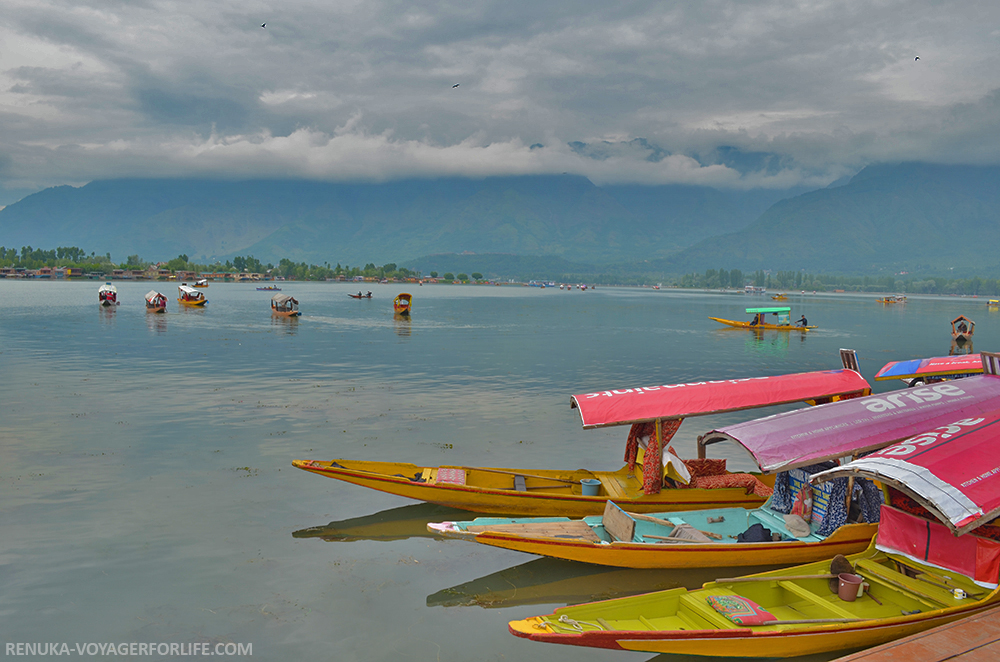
column 887, row 218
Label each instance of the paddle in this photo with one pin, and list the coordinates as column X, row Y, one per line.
column 733, row 580
column 520, row 473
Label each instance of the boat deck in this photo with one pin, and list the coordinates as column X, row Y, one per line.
column 973, row 638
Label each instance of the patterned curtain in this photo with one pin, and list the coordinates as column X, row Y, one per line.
column 652, row 472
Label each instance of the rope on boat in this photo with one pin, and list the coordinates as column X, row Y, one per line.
column 566, row 622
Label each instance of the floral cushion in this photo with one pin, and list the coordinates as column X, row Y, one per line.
column 705, row 467
column 739, row 610
column 748, row 482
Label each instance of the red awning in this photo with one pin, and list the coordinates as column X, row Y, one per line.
column 952, row 470
column 648, row 403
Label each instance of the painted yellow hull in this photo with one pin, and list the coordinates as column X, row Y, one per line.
column 289, row 313
column 681, row 622
column 848, row 539
column 201, row 302
column 493, row 491
column 772, row 327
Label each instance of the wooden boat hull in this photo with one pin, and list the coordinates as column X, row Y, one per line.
column 848, row 539
column 286, row 313
column 681, row 622
column 772, row 327
column 156, row 309
column 489, row 490
column 193, row 304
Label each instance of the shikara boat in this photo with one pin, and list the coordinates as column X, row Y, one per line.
column 359, row 295
column 655, row 411
column 916, row 372
column 401, row 304
column 188, row 296
column 201, row 283
column 269, row 288
column 993, row 303
column 759, row 321
column 283, row 305
column 894, row 298
column 155, row 302
column 962, row 329
column 107, row 295
column 786, row 443
column 914, row 576
column 780, row 297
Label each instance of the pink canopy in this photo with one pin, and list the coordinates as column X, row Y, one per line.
column 953, row 470
column 839, row 429
column 938, row 366
column 648, row 403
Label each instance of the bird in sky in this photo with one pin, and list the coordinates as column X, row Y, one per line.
column 455, row 85
column 263, row 25
column 916, row 58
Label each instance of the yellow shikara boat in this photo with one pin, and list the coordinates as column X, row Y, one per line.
column 283, row 305
column 654, row 412
column 759, row 321
column 779, row 297
column 918, row 573
column 188, row 296
column 786, row 444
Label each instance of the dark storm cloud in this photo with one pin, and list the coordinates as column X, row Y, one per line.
column 768, row 93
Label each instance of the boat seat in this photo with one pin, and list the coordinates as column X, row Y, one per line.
column 826, row 604
column 776, row 522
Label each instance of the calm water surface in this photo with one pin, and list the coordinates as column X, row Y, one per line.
column 146, row 492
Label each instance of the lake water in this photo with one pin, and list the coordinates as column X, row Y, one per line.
column 146, row 487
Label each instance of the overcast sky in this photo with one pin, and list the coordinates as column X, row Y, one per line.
column 644, row 92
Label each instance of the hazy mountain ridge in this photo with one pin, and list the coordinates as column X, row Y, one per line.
column 317, row 222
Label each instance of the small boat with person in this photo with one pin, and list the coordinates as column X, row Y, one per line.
column 107, row 295
column 779, row 297
column 283, row 305
column 782, row 321
column 935, row 559
column 654, row 414
column 155, row 302
column 201, row 283
column 269, row 288
column 892, row 298
column 188, row 296
column 359, row 295
column 401, row 304
column 962, row 329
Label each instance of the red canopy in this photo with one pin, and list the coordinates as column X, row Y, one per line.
column 952, row 470
column 648, row 403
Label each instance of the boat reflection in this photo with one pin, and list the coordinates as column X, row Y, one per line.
column 554, row 581
column 393, row 524
column 761, row 342
column 156, row 323
column 960, row 347
column 108, row 314
column 401, row 325
column 286, row 325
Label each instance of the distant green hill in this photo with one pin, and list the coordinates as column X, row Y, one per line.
column 354, row 224
column 913, row 217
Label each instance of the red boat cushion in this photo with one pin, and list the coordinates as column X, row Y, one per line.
column 740, row 610
column 748, row 482
column 705, row 467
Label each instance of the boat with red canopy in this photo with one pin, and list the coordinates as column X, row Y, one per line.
column 785, row 443
column 917, row 573
column 654, row 412
column 934, row 369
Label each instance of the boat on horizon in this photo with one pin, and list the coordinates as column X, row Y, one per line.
column 759, row 321
column 155, row 302
column 962, row 329
column 269, row 288
column 201, row 283
column 892, row 298
column 935, row 559
column 654, row 414
column 107, row 295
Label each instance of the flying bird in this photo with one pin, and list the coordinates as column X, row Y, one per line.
column 916, row 58
column 263, row 25
column 455, row 85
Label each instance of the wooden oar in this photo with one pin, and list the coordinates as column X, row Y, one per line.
column 669, row 539
column 815, row 620
column 520, row 473
column 733, row 580
column 867, row 573
column 657, row 520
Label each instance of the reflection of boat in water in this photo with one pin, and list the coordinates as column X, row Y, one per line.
column 401, row 304
column 107, row 295
column 655, row 413
column 962, row 329
column 393, row 524
column 155, row 302
column 553, row 581
column 930, row 564
column 188, row 296
column 961, row 348
column 759, row 321
column 402, row 325
column 283, row 305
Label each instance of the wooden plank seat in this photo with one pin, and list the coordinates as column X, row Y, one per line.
column 575, row 529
